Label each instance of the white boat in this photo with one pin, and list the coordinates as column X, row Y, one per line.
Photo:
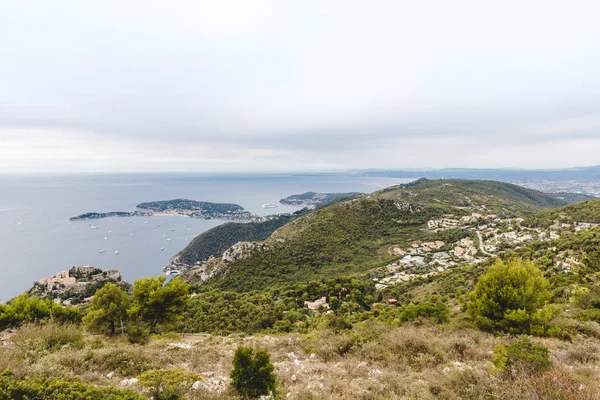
column 162, row 249
column 172, row 230
column 102, row 251
column 109, row 231
column 93, row 227
column 164, row 236
column 270, row 205
column 116, row 252
column 169, row 239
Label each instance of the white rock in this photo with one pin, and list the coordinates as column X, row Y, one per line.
column 110, row 375
column 129, row 382
column 294, row 378
column 198, row 385
column 313, row 355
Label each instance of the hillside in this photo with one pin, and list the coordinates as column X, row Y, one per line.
column 497, row 197
column 215, row 241
column 584, row 212
column 356, row 236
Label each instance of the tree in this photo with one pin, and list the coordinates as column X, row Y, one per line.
column 252, row 375
column 158, row 303
column 507, row 297
column 108, row 309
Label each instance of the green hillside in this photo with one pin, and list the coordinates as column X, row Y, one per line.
column 498, row 197
column 587, row 211
column 218, row 239
column 353, row 237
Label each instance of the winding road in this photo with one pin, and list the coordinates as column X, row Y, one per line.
column 481, row 245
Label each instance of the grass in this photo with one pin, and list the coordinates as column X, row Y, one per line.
column 371, row 361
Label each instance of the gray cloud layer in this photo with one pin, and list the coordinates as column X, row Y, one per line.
column 280, row 86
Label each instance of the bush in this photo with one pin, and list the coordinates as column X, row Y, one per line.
column 522, row 356
column 138, row 333
column 167, row 384
column 252, row 375
column 508, row 296
column 36, row 340
column 57, row 388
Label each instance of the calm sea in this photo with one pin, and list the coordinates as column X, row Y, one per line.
column 37, row 239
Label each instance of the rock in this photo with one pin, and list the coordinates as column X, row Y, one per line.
column 110, row 375
column 313, row 356
column 181, row 345
column 294, row 378
column 129, row 382
column 292, row 356
column 199, row 385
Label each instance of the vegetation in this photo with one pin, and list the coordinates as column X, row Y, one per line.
column 508, row 297
column 24, row 309
column 156, row 303
column 38, row 387
column 587, row 211
column 192, row 205
column 252, row 375
column 108, row 310
column 522, row 356
column 215, row 241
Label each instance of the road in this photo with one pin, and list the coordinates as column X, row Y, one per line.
column 481, row 245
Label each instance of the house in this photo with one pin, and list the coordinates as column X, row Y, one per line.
column 315, row 305
column 392, row 302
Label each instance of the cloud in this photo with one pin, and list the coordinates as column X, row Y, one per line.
column 274, row 85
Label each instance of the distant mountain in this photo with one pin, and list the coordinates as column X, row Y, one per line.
column 502, row 174
column 355, row 236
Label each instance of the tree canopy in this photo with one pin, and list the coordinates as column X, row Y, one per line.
column 507, row 297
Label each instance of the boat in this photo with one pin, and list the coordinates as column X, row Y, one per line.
column 162, row 249
column 172, row 272
column 93, row 227
column 105, row 238
column 172, row 230
column 109, row 231
column 169, row 239
column 116, row 252
column 102, row 251
column 270, row 205
column 164, row 236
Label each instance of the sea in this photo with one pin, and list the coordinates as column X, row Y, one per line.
column 38, row 240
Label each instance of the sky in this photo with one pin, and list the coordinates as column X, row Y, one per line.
column 278, row 86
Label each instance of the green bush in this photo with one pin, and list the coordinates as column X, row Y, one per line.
column 522, row 356
column 167, row 384
column 508, row 296
column 252, row 375
column 138, row 333
column 39, row 387
column 33, row 341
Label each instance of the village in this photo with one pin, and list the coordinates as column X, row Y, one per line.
column 484, row 236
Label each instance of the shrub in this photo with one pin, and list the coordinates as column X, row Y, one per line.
column 522, row 356
column 507, row 297
column 252, row 375
column 167, row 384
column 36, row 340
column 138, row 333
column 57, row 388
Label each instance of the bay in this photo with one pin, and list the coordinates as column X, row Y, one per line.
column 37, row 239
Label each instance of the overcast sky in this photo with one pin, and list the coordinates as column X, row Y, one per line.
column 297, row 85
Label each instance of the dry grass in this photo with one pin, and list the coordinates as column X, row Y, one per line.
column 368, row 362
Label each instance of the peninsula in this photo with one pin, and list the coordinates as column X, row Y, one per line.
column 190, row 208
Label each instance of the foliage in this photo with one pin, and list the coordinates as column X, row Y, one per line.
column 25, row 309
column 38, row 387
column 507, row 297
column 216, row 240
column 138, row 332
column 522, row 356
column 157, row 303
column 252, row 375
column 108, row 309
column 33, row 340
column 167, row 384
column 587, row 211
